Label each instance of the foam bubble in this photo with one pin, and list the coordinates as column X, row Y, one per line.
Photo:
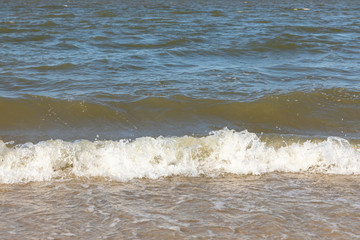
column 224, row 151
column 303, row 9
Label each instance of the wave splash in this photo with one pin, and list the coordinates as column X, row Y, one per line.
column 221, row 152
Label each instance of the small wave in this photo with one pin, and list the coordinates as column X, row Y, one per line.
column 53, row 6
column 169, row 43
column 321, row 112
column 60, row 15
column 185, row 12
column 106, row 13
column 314, row 29
column 65, row 46
column 217, row 13
column 7, row 30
column 301, row 9
column 221, row 152
column 48, row 24
column 64, row 66
column 26, row 38
column 164, row 44
column 282, row 42
column 100, row 38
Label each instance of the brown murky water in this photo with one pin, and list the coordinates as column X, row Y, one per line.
column 271, row 206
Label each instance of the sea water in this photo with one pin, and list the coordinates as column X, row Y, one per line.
column 179, row 119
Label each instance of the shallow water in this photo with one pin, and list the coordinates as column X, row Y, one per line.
column 179, row 119
column 277, row 206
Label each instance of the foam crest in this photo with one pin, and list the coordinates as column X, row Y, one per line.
column 224, row 151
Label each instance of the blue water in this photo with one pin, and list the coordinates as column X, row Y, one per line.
column 111, row 53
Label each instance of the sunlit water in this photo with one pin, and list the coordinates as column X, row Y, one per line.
column 231, row 207
column 179, row 119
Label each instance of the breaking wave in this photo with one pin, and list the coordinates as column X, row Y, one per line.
column 221, row 152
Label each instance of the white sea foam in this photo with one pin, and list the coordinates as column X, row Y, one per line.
column 223, row 151
column 303, row 9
